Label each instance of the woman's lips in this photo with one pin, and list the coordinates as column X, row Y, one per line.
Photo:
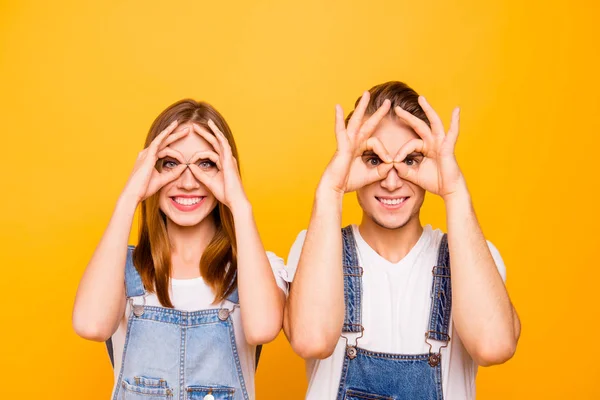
column 187, row 203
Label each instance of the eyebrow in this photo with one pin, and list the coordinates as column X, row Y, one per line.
column 415, row 154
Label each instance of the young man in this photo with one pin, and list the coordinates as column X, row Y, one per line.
column 377, row 310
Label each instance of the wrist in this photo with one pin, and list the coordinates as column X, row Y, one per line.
column 241, row 208
column 460, row 196
column 127, row 201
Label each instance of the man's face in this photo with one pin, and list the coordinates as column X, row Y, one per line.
column 392, row 202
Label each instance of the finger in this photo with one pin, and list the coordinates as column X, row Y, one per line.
column 215, row 129
column 452, row 135
column 378, row 148
column 169, row 152
column 220, row 136
column 208, row 137
column 407, row 173
column 437, row 126
column 161, row 136
column 167, row 176
column 412, row 146
column 382, row 170
column 418, row 125
column 369, row 126
column 207, row 180
column 378, row 174
column 205, row 155
column 174, row 137
column 359, row 113
column 340, row 126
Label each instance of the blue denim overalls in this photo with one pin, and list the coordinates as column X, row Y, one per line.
column 370, row 375
column 177, row 355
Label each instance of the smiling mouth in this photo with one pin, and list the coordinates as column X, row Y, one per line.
column 392, row 202
column 187, row 201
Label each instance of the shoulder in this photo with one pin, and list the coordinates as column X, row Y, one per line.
column 436, row 238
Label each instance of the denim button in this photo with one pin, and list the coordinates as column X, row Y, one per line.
column 223, row 315
column 351, row 353
column 434, row 359
column 209, row 397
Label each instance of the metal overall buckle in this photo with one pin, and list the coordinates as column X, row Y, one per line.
column 138, row 309
column 435, row 358
column 351, row 351
column 225, row 312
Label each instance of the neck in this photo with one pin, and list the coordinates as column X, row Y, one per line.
column 391, row 244
column 187, row 246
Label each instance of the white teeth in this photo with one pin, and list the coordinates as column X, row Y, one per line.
column 392, row 202
column 187, row 201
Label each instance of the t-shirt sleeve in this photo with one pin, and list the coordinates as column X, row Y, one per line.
column 278, row 268
column 498, row 260
column 294, row 257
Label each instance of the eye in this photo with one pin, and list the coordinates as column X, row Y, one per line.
column 373, row 161
column 411, row 161
column 169, row 164
column 206, row 164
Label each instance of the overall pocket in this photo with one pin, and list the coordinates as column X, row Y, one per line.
column 144, row 388
column 209, row 393
column 352, row 394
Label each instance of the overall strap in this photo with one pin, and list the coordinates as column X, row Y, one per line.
column 234, row 297
column 441, row 296
column 133, row 282
column 352, row 282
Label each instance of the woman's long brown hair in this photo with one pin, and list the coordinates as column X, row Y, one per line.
column 152, row 255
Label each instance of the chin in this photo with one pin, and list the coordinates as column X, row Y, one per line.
column 186, row 219
column 391, row 222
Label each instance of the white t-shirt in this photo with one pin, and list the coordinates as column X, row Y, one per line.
column 396, row 305
column 193, row 295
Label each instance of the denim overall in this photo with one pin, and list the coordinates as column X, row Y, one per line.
column 368, row 375
column 172, row 354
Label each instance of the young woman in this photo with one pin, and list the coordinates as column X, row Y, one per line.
column 183, row 312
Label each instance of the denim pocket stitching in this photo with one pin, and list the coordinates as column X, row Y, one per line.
column 198, row 389
column 147, row 391
column 367, row 396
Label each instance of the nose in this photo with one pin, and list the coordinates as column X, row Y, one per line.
column 188, row 181
column 392, row 181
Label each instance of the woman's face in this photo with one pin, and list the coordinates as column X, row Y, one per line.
column 186, row 201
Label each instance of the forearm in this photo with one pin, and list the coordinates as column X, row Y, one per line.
column 261, row 300
column 315, row 308
column 482, row 311
column 100, row 299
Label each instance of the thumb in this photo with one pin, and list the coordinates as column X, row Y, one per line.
column 204, row 178
column 379, row 173
column 170, row 175
column 406, row 172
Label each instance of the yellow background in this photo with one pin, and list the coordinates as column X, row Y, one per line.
column 81, row 82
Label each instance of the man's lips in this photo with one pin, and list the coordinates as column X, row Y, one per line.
column 392, row 203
